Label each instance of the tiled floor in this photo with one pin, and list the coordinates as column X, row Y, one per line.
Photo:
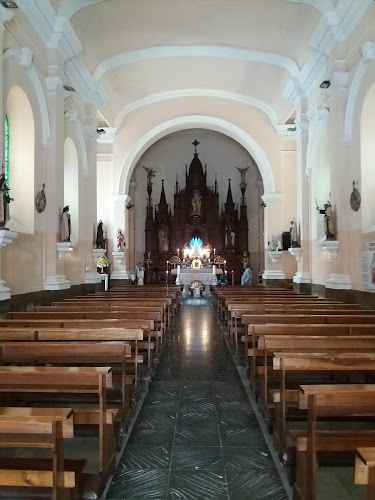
column 196, row 436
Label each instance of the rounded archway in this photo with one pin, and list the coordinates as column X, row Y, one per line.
column 21, row 160
column 367, row 143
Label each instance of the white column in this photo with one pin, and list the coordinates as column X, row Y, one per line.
column 341, row 184
column 303, row 274
column 88, row 194
column 273, row 268
column 54, row 269
column 120, row 220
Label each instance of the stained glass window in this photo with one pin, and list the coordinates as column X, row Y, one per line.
column 6, row 159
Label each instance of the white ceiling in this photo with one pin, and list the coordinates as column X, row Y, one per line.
column 250, row 50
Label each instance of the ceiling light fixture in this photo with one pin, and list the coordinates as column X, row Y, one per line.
column 9, row 5
column 291, row 129
column 69, row 88
column 325, row 84
column 100, row 131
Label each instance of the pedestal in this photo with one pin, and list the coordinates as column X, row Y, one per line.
column 332, row 246
column 6, row 238
column 57, row 282
column 118, row 256
column 63, row 247
column 296, row 252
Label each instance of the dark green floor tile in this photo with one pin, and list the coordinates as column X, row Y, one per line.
column 196, row 485
column 245, row 458
column 145, row 457
column 196, row 436
column 139, row 485
column 231, row 436
column 197, row 419
column 198, row 457
column 255, row 485
column 151, row 437
column 154, row 418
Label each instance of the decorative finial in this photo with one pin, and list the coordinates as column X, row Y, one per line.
column 195, row 144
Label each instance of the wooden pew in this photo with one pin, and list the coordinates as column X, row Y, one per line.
column 364, row 472
column 330, row 401
column 26, row 380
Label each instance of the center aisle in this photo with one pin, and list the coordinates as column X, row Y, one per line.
column 196, row 436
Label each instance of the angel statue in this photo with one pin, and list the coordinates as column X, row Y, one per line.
column 150, row 174
column 243, row 171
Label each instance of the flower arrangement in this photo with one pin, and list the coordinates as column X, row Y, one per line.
column 219, row 260
column 175, row 260
column 102, row 262
column 196, row 284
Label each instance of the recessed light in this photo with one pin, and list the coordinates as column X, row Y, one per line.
column 9, row 5
column 69, row 88
column 325, row 84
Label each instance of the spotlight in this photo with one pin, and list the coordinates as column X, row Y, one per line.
column 325, row 84
column 9, row 5
column 100, row 131
column 291, row 129
column 69, row 88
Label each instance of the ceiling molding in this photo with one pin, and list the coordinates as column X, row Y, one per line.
column 319, row 5
column 215, row 51
column 57, row 32
column 177, row 94
column 196, row 121
column 71, row 7
column 19, row 55
column 335, row 26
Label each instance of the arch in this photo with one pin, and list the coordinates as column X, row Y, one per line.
column 367, row 149
column 352, row 100
column 71, row 176
column 320, row 5
column 79, row 135
column 70, row 7
column 19, row 55
column 199, row 121
column 22, row 152
column 222, row 52
column 175, row 94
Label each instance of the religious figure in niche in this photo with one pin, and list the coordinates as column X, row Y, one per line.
column 5, row 200
column 163, row 240
column 99, row 236
column 196, row 203
column 329, row 220
column 66, row 229
column 120, row 240
column 242, row 172
column 230, row 237
column 293, row 234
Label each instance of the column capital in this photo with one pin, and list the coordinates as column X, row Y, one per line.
column 272, row 197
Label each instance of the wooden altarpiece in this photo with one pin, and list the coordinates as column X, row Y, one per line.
column 196, row 214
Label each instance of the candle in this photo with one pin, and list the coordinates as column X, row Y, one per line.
column 178, row 251
column 232, row 277
column 214, row 252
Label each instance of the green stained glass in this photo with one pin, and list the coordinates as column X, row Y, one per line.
column 6, row 159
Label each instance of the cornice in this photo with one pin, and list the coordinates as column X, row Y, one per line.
column 5, row 14
column 108, row 137
column 285, row 131
column 57, row 32
column 335, row 26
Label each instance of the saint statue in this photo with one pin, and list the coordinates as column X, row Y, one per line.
column 163, row 240
column 242, row 172
column 196, row 203
column 246, row 276
column 66, row 230
column 5, row 200
column 293, row 234
column 329, row 220
column 99, row 236
column 230, row 237
column 140, row 274
column 120, row 240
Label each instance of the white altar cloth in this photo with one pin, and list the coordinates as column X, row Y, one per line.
column 189, row 275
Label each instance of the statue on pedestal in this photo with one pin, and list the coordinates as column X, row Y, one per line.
column 99, row 236
column 120, row 240
column 5, row 200
column 294, row 234
column 66, row 229
column 329, row 220
column 196, row 203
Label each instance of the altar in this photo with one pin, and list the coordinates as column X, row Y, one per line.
column 207, row 275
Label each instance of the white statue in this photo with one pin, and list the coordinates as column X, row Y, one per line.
column 196, row 203
column 140, row 274
column 65, row 224
column 120, row 240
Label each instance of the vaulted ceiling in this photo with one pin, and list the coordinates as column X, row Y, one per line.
column 262, row 53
